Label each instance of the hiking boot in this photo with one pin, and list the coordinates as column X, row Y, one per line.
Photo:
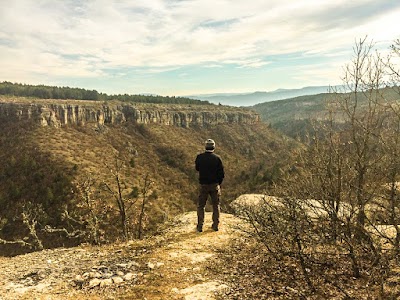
column 199, row 228
column 214, row 227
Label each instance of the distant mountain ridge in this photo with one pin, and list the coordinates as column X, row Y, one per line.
column 306, row 106
column 292, row 116
column 250, row 99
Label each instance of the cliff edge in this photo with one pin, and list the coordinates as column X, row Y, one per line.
column 174, row 265
column 57, row 113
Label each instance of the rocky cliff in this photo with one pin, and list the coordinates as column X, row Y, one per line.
column 58, row 113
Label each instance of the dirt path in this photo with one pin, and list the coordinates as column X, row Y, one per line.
column 185, row 258
column 170, row 266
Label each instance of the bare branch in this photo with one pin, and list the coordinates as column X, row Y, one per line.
column 74, row 234
column 21, row 243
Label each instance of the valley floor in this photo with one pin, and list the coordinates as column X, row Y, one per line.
column 173, row 265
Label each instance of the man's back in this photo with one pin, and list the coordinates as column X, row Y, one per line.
column 210, row 168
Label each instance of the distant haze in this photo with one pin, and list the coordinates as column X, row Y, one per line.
column 250, row 99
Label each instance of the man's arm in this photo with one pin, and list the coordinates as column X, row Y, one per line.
column 197, row 163
column 220, row 172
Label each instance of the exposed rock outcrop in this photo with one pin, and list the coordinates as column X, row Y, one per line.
column 58, row 113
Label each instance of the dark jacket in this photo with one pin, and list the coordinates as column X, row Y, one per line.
column 210, row 167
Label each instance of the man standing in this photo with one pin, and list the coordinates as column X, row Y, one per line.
column 211, row 174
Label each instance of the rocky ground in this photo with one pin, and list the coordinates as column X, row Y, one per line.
column 173, row 265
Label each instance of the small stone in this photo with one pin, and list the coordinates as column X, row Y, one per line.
column 129, row 276
column 106, row 282
column 79, row 278
column 122, row 265
column 120, row 273
column 198, row 277
column 41, row 274
column 85, row 275
column 150, row 265
column 117, row 279
column 28, row 281
column 94, row 275
column 134, row 264
column 107, row 275
column 94, row 282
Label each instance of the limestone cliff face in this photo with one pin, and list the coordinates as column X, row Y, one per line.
column 62, row 113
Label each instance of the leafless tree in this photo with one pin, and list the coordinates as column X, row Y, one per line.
column 147, row 183
column 29, row 216
column 117, row 188
column 92, row 217
column 361, row 109
column 389, row 203
column 350, row 166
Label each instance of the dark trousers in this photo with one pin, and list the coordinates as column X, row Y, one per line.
column 214, row 191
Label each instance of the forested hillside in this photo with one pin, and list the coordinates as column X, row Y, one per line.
column 55, row 92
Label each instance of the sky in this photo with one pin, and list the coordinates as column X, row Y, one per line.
column 187, row 47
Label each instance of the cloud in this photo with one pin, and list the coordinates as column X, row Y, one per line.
column 88, row 38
